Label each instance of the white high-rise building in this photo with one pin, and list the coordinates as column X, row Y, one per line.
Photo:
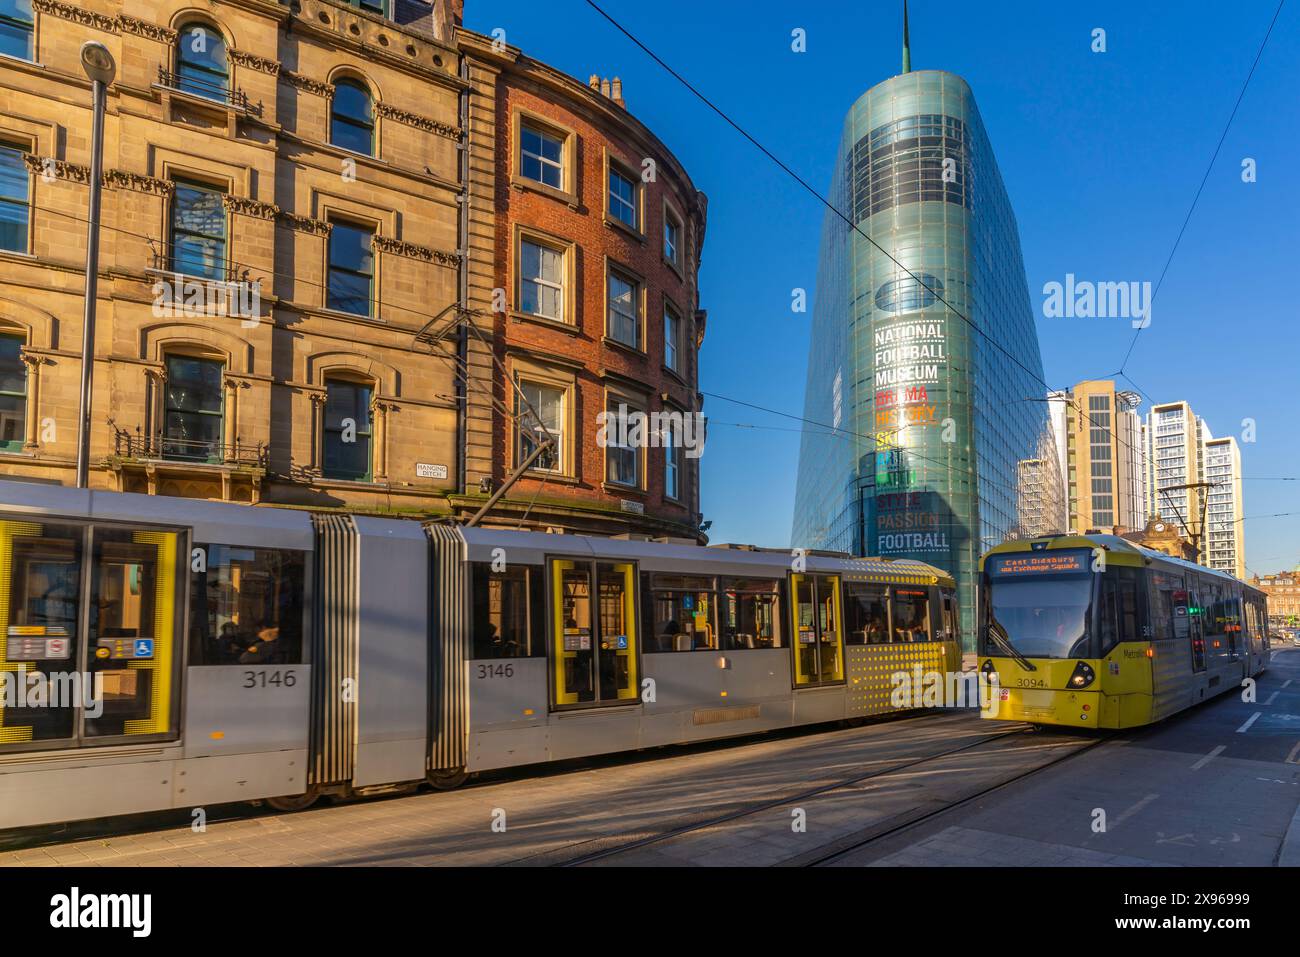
column 1181, row 450
column 1173, row 459
column 1225, row 543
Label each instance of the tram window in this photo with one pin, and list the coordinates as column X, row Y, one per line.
column 1106, row 612
column 951, row 619
column 911, row 614
column 575, row 613
column 247, row 606
column 44, row 565
column 505, row 616
column 1128, row 607
column 751, row 614
column 866, row 613
column 1117, row 611
column 684, row 610
column 1166, row 620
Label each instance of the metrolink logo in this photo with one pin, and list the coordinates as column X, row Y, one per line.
column 75, row 910
column 189, row 297
column 634, row 429
column 1083, row 299
column 919, row 688
column 55, row 689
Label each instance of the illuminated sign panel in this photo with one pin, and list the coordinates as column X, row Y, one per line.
column 1021, row 564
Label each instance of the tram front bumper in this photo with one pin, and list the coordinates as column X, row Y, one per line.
column 1080, row 709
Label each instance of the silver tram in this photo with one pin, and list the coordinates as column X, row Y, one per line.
column 169, row 653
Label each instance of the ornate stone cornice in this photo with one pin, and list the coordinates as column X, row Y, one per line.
column 399, row 248
column 140, row 28
column 112, row 178
column 318, row 227
column 43, row 166
column 259, row 63
column 66, row 11
column 418, row 121
column 249, row 207
column 121, row 179
column 308, row 84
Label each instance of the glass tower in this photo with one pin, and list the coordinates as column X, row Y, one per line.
column 934, row 443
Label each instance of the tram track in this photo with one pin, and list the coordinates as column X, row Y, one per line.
column 845, row 845
column 857, row 843
column 626, row 844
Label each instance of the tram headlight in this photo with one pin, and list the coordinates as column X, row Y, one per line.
column 987, row 668
column 1083, row 675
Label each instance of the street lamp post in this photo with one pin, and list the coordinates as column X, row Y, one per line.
column 99, row 66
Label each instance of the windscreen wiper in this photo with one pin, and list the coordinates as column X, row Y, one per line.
column 1004, row 642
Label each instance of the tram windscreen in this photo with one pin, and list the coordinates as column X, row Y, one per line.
column 1039, row 602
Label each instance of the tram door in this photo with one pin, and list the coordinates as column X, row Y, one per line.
column 594, row 636
column 132, row 630
column 819, row 636
column 90, row 622
column 39, row 611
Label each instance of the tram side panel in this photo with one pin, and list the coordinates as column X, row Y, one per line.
column 248, row 680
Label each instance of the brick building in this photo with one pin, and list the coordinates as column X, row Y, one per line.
column 297, row 263
column 593, row 252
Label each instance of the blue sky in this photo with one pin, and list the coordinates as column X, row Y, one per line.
column 1101, row 154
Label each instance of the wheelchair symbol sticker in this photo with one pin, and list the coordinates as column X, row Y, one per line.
column 144, row 647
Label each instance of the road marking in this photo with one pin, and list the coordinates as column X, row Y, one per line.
column 1211, row 756
column 1287, row 683
column 1134, row 809
column 1249, row 721
column 1294, row 756
column 1272, row 697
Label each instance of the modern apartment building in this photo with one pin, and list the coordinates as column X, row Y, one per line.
column 1173, row 462
column 1224, row 538
column 1182, row 451
column 1100, row 450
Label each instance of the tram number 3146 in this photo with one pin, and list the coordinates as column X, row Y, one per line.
column 267, row 679
column 495, row 671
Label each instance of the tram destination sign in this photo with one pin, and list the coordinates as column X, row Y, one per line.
column 1038, row 563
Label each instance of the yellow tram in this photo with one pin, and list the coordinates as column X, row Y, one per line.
column 1093, row 631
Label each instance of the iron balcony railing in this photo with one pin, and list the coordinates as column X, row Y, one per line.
column 160, row 446
column 209, row 91
column 224, row 271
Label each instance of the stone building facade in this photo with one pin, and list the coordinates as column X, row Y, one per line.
column 1283, row 590
column 297, row 260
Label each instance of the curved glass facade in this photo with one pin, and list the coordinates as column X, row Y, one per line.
column 941, row 446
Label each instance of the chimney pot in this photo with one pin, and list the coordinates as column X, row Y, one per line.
column 594, row 82
column 604, row 87
column 616, row 91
